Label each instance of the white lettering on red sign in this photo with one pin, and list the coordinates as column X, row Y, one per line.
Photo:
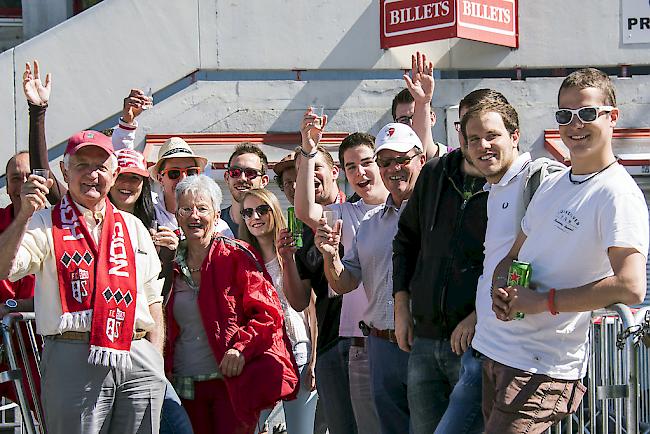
column 420, row 12
column 486, row 12
column 117, row 255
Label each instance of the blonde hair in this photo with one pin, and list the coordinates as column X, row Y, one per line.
column 278, row 221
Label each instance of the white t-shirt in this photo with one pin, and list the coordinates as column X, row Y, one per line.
column 505, row 209
column 569, row 230
column 355, row 302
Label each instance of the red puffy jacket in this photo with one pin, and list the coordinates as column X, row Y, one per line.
column 240, row 309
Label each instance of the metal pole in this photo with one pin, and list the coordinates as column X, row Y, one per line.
column 8, row 322
column 631, row 413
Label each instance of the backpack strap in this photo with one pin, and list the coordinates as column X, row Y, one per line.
column 539, row 170
column 235, row 243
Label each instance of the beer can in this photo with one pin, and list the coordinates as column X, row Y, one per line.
column 519, row 274
column 295, row 226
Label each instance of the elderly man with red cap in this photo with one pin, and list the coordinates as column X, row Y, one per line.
column 96, row 289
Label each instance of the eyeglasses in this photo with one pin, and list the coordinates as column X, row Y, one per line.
column 457, row 126
column 175, row 172
column 408, row 120
column 260, row 210
column 585, row 114
column 402, row 161
column 201, row 211
column 249, row 172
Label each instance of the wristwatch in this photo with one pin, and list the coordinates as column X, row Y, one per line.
column 11, row 303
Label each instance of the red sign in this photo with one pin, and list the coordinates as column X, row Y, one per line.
column 405, row 22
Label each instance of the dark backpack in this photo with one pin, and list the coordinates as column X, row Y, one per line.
column 540, row 169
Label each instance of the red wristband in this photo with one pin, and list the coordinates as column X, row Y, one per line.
column 551, row 302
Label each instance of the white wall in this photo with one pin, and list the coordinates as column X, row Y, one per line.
column 97, row 56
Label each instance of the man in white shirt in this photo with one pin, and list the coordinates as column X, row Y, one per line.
column 95, row 362
column 585, row 234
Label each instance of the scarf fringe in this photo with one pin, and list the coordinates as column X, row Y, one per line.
column 109, row 357
column 76, row 321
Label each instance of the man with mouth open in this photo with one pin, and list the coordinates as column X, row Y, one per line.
column 585, row 235
column 400, row 156
column 357, row 160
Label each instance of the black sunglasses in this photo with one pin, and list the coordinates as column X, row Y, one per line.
column 176, row 173
column 407, row 120
column 387, row 162
column 457, row 126
column 249, row 172
column 261, row 210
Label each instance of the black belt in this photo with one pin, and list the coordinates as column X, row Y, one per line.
column 85, row 336
column 357, row 341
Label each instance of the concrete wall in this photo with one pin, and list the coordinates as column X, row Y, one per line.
column 97, row 56
column 39, row 15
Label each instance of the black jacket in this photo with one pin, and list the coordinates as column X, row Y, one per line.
column 438, row 249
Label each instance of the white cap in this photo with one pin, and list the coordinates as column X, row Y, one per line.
column 397, row 137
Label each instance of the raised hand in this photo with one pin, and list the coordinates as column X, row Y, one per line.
column 421, row 83
column 33, row 195
column 134, row 104
column 285, row 245
column 311, row 134
column 327, row 239
column 165, row 237
column 36, row 92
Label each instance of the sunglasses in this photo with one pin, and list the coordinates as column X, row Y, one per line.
column 175, row 173
column 585, row 114
column 261, row 210
column 201, row 211
column 407, row 120
column 387, row 162
column 249, row 172
column 457, row 126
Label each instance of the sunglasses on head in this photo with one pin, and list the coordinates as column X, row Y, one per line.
column 387, row 162
column 260, row 210
column 175, row 172
column 585, row 114
column 249, row 172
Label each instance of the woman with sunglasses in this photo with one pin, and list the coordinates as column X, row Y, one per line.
column 226, row 350
column 264, row 224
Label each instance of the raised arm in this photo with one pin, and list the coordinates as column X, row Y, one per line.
column 38, row 95
column 421, row 85
column 124, row 133
column 307, row 209
column 297, row 290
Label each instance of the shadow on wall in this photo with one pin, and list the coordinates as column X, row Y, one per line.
column 333, row 95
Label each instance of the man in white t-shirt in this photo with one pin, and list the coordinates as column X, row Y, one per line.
column 585, row 234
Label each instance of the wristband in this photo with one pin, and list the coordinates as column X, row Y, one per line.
column 308, row 155
column 551, row 302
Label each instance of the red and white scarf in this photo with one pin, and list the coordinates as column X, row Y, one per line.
column 97, row 283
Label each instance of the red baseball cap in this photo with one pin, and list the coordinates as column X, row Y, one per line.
column 89, row 138
column 131, row 161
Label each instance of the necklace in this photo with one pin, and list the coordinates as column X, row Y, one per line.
column 590, row 176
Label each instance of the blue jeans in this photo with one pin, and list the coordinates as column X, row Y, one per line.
column 363, row 405
column 333, row 387
column 298, row 413
column 444, row 390
column 173, row 418
column 388, row 369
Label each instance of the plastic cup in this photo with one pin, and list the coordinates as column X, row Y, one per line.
column 43, row 173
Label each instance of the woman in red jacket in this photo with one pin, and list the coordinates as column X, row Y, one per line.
column 227, row 353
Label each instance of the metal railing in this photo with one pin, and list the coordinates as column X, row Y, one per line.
column 20, row 325
column 618, row 391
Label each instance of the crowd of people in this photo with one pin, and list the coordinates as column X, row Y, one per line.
column 161, row 311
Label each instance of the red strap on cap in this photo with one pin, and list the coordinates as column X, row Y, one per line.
column 551, row 302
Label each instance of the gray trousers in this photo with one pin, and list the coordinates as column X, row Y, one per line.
column 78, row 397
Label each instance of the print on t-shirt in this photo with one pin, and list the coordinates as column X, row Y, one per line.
column 566, row 221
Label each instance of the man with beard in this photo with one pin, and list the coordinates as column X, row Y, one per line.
column 246, row 170
column 437, row 259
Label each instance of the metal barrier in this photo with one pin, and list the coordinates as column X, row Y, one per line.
column 618, row 393
column 12, row 326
